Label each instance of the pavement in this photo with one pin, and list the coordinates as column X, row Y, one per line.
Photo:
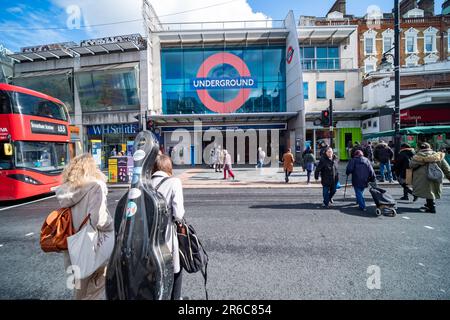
column 267, row 244
column 251, row 177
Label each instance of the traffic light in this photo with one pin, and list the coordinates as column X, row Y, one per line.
column 326, row 119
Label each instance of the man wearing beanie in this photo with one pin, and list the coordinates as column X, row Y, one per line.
column 427, row 166
column 401, row 165
column 362, row 173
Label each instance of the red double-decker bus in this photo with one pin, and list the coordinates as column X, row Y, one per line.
column 34, row 139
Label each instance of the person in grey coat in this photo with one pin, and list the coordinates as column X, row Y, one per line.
column 362, row 173
column 84, row 192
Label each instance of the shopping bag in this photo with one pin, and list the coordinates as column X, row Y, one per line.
column 409, row 177
column 89, row 249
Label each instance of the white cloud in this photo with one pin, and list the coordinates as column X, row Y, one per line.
column 14, row 10
column 107, row 11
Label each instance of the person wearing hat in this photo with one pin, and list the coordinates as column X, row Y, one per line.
column 401, row 165
column 362, row 173
column 424, row 164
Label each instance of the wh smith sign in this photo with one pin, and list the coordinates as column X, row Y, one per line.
column 244, row 83
column 130, row 128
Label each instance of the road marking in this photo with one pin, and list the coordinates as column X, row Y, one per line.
column 421, row 264
column 442, row 290
column 1, row 245
column 428, row 227
column 23, row 204
column 407, row 218
column 29, row 234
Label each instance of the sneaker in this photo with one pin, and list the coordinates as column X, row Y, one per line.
column 325, row 206
column 415, row 198
column 404, row 198
column 431, row 210
column 382, row 180
column 363, row 209
column 331, row 201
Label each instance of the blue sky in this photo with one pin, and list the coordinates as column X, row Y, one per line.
column 33, row 22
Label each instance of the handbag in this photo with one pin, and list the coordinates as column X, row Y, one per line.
column 89, row 249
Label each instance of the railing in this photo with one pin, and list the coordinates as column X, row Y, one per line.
column 327, row 64
column 224, row 25
column 305, row 21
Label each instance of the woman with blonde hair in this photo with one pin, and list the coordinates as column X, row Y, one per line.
column 84, row 190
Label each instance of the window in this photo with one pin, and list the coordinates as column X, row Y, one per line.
column 31, row 105
column 339, row 89
column 5, row 161
column 369, row 45
column 410, row 44
column 305, row 90
column 387, row 44
column 429, row 43
column 109, row 90
column 320, row 58
column 321, row 87
column 5, row 106
column 47, row 157
column 369, row 67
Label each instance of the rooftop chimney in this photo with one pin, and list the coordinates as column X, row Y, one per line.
column 427, row 6
column 339, row 6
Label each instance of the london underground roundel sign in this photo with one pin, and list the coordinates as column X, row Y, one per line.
column 289, row 54
column 244, row 83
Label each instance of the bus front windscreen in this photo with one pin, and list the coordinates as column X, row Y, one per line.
column 47, row 157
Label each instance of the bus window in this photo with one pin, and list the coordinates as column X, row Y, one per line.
column 41, row 156
column 31, row 105
column 5, row 161
column 5, row 106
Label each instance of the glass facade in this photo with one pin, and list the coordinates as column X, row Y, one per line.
column 108, row 90
column 320, row 58
column 230, row 80
column 58, row 86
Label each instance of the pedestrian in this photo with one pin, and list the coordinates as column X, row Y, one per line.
column 402, row 164
column 362, row 173
column 288, row 164
column 84, row 191
column 368, row 152
column 217, row 159
column 113, row 152
column 212, row 154
column 308, row 164
column 227, row 165
column 172, row 191
column 384, row 154
column 328, row 171
column 323, row 148
column 261, row 157
column 355, row 148
column 423, row 187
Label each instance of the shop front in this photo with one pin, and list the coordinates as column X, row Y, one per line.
column 109, row 140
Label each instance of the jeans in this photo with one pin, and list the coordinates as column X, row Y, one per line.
column 308, row 175
column 328, row 193
column 260, row 164
column 359, row 192
column 387, row 166
column 176, row 291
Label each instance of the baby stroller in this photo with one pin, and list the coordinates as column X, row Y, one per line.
column 384, row 202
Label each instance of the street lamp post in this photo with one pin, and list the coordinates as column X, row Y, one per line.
column 397, row 136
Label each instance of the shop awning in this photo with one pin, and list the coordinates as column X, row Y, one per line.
column 44, row 73
column 129, row 65
column 409, row 131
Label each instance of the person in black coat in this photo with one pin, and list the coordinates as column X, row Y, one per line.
column 362, row 173
column 355, row 148
column 328, row 171
column 401, row 164
column 384, row 154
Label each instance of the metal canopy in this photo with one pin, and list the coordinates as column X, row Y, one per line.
column 322, row 34
column 185, row 37
column 129, row 65
column 44, row 73
column 222, row 117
